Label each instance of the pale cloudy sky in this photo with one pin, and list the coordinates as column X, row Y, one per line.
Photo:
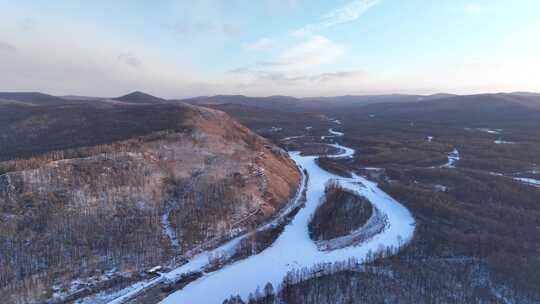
column 269, row 47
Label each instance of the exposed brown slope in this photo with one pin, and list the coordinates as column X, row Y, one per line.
column 209, row 178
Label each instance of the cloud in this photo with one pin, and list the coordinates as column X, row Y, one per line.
column 262, row 43
column 260, row 82
column 311, row 78
column 129, row 59
column 297, row 68
column 63, row 57
column 81, row 59
column 347, row 13
column 6, row 47
column 316, row 51
column 338, row 76
column 311, row 53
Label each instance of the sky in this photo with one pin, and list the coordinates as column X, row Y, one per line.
column 301, row 48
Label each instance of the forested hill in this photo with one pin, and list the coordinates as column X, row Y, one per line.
column 90, row 189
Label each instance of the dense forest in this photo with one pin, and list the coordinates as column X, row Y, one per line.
column 394, row 280
column 340, row 213
column 474, row 216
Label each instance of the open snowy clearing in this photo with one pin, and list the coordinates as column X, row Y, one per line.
column 293, row 248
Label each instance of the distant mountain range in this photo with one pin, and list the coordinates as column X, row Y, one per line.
column 342, row 103
column 277, row 102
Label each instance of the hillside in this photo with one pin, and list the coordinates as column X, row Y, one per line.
column 171, row 179
column 28, row 131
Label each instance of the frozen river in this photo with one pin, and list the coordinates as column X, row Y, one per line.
column 293, row 248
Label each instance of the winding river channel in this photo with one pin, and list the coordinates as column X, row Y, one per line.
column 294, row 249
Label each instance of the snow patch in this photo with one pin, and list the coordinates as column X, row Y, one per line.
column 334, row 120
column 292, row 137
column 453, row 157
column 503, row 142
column 372, row 169
column 485, row 130
column 528, row 181
column 440, row 188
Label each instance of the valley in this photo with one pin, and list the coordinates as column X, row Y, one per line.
column 269, row 152
column 294, row 249
column 216, row 207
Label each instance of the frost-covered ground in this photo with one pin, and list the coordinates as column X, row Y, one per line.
column 294, row 248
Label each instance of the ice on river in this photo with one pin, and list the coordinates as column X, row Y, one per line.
column 293, row 248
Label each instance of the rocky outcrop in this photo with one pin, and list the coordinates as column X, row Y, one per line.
column 131, row 208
